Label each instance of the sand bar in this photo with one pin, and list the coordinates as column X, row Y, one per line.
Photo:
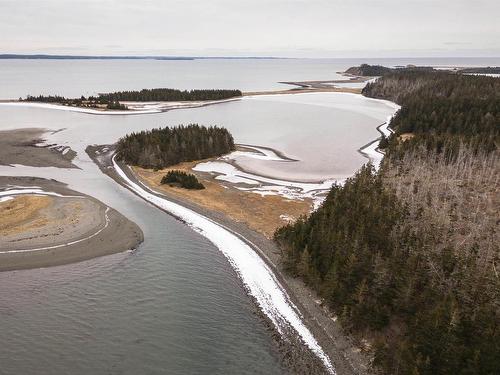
column 43, row 223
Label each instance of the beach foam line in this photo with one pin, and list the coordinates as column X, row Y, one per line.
column 258, row 279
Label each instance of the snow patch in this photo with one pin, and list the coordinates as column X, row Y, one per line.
column 268, row 186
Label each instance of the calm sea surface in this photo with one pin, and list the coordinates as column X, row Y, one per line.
column 175, row 305
column 73, row 78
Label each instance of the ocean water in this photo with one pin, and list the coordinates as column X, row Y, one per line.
column 73, row 78
column 175, row 305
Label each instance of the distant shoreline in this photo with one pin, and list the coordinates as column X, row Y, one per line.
column 12, row 56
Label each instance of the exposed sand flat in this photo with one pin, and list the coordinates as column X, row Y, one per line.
column 47, row 221
column 39, row 230
column 21, row 146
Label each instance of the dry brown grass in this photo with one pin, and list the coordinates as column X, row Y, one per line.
column 260, row 213
column 23, row 213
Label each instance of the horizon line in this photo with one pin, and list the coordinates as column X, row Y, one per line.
column 40, row 56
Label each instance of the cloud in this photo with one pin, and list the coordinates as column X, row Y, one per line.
column 294, row 27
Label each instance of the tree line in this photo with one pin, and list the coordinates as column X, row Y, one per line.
column 408, row 256
column 90, row 102
column 442, row 109
column 165, row 94
column 164, row 147
column 112, row 100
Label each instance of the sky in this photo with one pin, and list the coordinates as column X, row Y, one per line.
column 285, row 28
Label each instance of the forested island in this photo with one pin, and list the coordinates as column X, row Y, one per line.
column 408, row 256
column 164, row 147
column 182, row 179
column 366, row 70
column 112, row 100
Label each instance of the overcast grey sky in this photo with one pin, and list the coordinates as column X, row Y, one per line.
column 309, row 28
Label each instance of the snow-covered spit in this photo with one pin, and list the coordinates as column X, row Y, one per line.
column 134, row 108
column 257, row 277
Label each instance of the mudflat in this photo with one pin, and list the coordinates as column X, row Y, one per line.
column 22, row 146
